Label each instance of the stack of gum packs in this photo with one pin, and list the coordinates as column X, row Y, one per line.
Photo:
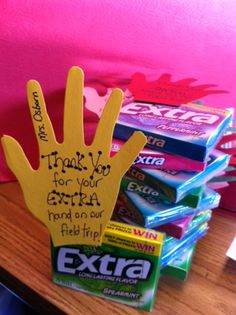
column 166, row 187
column 162, row 210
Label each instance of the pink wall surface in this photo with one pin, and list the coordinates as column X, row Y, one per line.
column 110, row 40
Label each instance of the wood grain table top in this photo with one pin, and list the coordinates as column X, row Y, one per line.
column 26, row 269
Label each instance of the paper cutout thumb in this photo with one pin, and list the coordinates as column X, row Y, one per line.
column 74, row 190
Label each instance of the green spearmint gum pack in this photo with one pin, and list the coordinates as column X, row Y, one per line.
column 179, row 267
column 125, row 268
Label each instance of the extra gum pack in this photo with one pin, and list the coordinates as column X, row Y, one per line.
column 125, row 268
column 149, row 158
column 174, row 228
column 175, row 247
column 132, row 183
column 189, row 130
column 179, row 267
column 178, row 184
column 198, row 220
column 150, row 211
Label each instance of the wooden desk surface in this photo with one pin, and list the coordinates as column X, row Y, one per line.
column 25, row 268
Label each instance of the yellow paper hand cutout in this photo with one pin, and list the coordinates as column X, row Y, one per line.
column 74, row 190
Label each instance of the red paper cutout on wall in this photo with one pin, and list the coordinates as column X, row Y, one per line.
column 165, row 91
column 229, row 139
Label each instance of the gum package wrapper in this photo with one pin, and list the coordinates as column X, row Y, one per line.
column 202, row 217
column 188, row 130
column 151, row 212
column 177, row 184
column 133, row 184
column 177, row 247
column 174, row 228
column 179, row 267
column 153, row 159
column 125, row 268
